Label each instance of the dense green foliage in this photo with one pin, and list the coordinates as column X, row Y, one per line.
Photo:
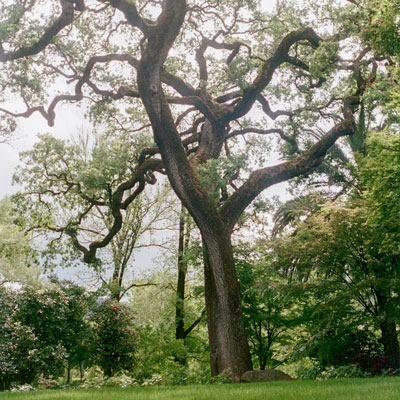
column 347, row 255
column 271, row 309
column 42, row 329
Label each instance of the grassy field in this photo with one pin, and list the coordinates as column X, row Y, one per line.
column 340, row 389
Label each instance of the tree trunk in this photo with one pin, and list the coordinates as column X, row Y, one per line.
column 81, row 371
column 390, row 343
column 389, row 338
column 180, row 288
column 229, row 351
column 228, row 342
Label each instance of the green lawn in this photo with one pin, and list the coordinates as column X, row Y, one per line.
column 340, row 389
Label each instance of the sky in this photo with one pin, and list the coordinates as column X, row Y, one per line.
column 69, row 121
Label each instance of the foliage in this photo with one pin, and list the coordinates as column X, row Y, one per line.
column 338, row 340
column 20, row 357
column 158, row 349
column 382, row 31
column 340, row 256
column 344, row 371
column 25, row 353
column 42, row 330
column 21, row 388
column 57, row 315
column 379, row 175
column 374, row 366
column 347, row 253
column 70, row 185
column 332, row 372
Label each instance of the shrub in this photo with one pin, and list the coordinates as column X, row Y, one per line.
column 24, row 355
column 309, row 372
column 344, row 371
column 332, row 372
column 121, row 379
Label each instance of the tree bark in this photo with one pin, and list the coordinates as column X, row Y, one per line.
column 229, row 351
column 81, row 371
column 227, row 336
column 390, row 343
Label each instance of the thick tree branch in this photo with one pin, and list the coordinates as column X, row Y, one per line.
column 116, row 205
column 263, row 178
column 280, row 56
column 66, row 17
column 131, row 14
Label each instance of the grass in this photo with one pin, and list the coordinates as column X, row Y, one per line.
column 338, row 389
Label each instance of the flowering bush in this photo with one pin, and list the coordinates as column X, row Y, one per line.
column 114, row 337
column 319, row 373
column 155, row 380
column 21, row 388
column 372, row 365
column 23, row 355
column 121, row 379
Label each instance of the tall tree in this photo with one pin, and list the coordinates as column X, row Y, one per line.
column 197, row 72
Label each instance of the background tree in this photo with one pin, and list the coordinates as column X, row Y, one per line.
column 68, row 185
column 196, row 114
column 188, row 252
column 159, row 351
column 340, row 251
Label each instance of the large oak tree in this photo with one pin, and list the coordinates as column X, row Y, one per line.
column 202, row 76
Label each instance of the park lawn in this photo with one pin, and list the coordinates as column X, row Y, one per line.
column 335, row 389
